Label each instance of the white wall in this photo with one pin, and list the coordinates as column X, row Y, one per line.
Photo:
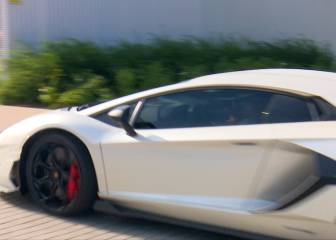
column 4, row 43
column 107, row 21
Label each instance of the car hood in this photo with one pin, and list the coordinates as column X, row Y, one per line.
column 82, row 126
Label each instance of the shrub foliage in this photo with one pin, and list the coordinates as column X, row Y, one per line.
column 74, row 72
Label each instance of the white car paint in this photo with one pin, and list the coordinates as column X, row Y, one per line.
column 223, row 176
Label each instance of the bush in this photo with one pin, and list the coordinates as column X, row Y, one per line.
column 73, row 72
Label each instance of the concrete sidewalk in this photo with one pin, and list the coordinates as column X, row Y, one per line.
column 20, row 219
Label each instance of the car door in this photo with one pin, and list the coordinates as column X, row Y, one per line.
column 202, row 148
column 293, row 167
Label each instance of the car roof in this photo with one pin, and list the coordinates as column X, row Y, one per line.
column 308, row 82
column 288, row 73
column 304, row 82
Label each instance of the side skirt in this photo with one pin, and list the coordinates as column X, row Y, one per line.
column 109, row 207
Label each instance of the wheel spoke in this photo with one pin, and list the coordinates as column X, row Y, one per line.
column 44, row 165
column 71, row 157
column 37, row 162
column 62, row 156
column 53, row 190
column 40, row 181
column 60, row 192
column 54, row 161
column 64, row 175
column 44, row 197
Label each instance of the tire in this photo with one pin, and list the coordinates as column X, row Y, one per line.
column 60, row 175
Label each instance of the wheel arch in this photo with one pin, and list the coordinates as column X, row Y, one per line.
column 20, row 178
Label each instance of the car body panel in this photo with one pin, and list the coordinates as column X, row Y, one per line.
column 196, row 162
column 88, row 130
column 254, row 178
column 309, row 220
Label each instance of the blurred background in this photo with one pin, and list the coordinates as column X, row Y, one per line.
column 66, row 52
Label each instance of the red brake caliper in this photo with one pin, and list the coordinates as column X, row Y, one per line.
column 73, row 181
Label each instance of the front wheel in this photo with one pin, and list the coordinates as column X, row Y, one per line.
column 60, row 175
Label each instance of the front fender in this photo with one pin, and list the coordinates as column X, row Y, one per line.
column 86, row 129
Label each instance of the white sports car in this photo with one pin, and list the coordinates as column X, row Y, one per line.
column 250, row 151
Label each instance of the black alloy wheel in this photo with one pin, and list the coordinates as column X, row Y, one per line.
column 60, row 175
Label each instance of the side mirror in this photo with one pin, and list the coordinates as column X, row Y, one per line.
column 121, row 115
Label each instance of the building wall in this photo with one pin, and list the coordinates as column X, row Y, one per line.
column 4, row 38
column 108, row 21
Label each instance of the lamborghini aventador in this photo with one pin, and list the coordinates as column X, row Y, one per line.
column 245, row 152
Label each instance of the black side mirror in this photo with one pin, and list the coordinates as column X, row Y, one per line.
column 121, row 115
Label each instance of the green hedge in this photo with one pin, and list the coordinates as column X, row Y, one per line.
column 74, row 72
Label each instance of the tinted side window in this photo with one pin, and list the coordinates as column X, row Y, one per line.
column 326, row 111
column 221, row 107
column 201, row 108
column 283, row 108
column 174, row 111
